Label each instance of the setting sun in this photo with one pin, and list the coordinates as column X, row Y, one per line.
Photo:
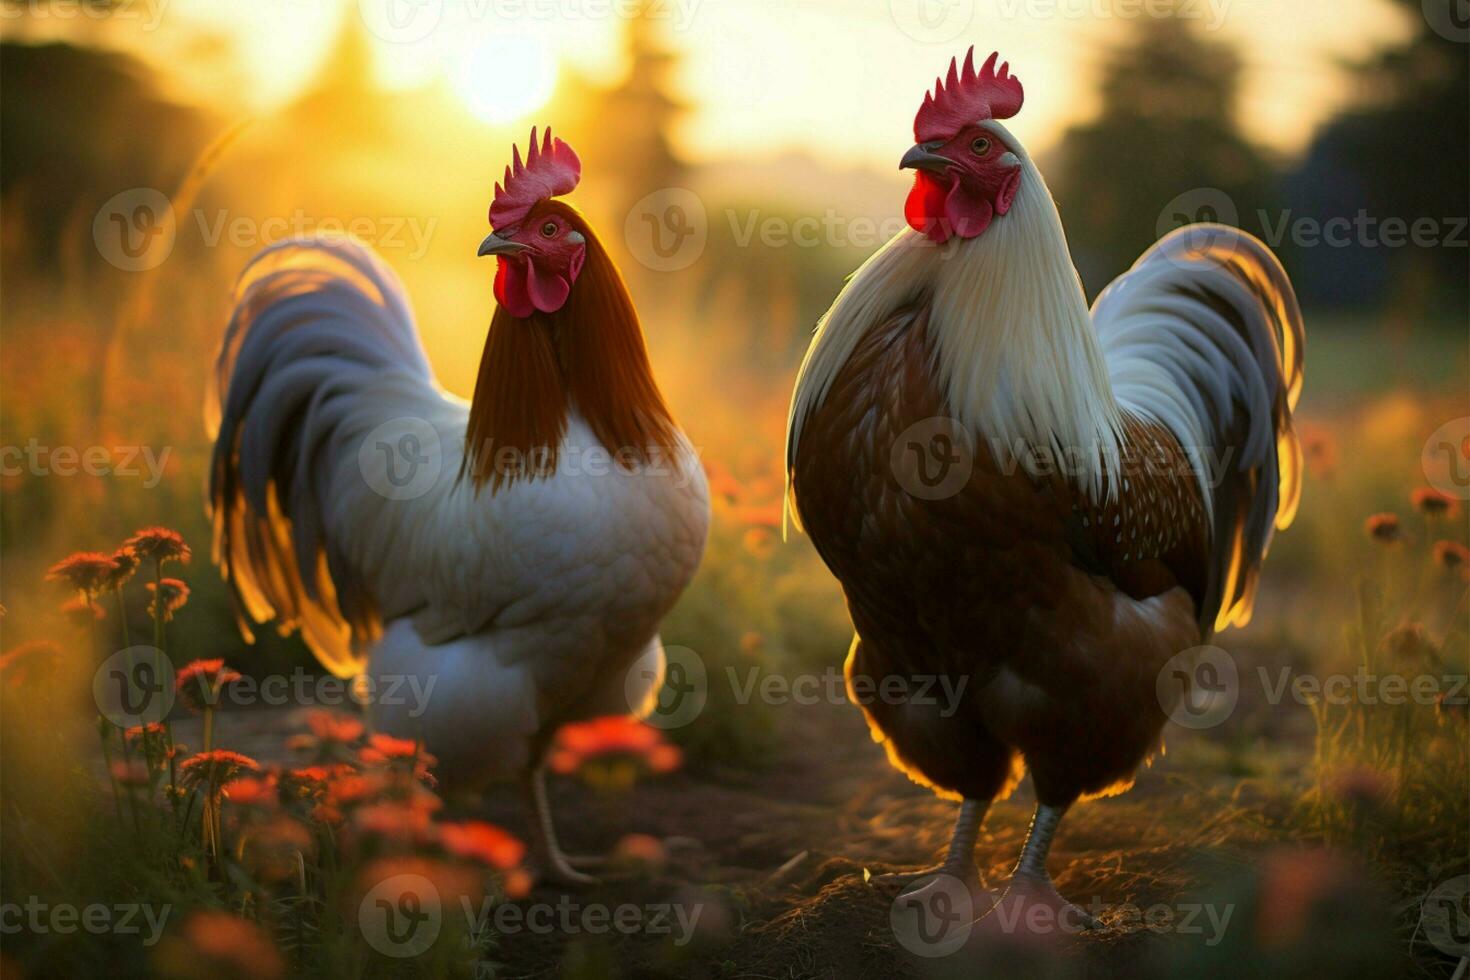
column 503, row 78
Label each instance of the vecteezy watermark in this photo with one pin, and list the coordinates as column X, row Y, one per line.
column 1210, row 205
column 1203, row 919
column 1211, row 12
column 40, row 918
column 404, row 915
column 511, row 463
column 136, row 229
column 934, row 916
column 134, row 686
column 34, row 459
column 569, row 917
column 667, row 230
column 934, row 458
column 408, row 233
column 932, row 21
column 401, row 459
column 1445, row 917
column 1363, row 230
column 674, row 700
column 1450, row 19
column 146, row 13
column 411, row 21
column 830, row 230
column 1198, row 687
column 1446, row 458
column 329, row 691
column 401, row 916
column 924, row 690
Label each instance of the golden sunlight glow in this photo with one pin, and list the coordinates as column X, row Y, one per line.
column 501, row 79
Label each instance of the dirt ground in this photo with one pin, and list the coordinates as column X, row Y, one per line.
column 772, row 863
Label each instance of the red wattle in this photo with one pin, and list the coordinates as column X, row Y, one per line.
column 924, row 208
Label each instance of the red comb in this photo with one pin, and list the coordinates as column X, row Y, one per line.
column 551, row 168
column 966, row 97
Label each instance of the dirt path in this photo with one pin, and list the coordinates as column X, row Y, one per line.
column 767, row 867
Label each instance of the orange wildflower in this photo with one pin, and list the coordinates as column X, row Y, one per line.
column 85, row 571
column 1451, row 555
column 486, row 843
column 1383, row 527
column 28, row 663
column 159, row 544
column 215, row 768
column 199, row 683
column 175, row 593
column 1432, row 502
column 221, row 946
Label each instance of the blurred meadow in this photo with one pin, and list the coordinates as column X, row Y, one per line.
column 739, row 160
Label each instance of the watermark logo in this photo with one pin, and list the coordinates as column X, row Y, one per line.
column 401, row 916
column 934, row 917
column 1199, row 687
column 667, row 230
column 134, row 687
column 135, row 229
column 1445, row 917
column 933, row 458
column 40, row 918
column 684, row 692
column 1201, row 210
column 932, row 21
column 147, row 13
column 1446, row 458
column 1450, row 19
column 401, row 21
column 401, row 459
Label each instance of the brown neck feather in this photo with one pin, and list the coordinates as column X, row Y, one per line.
column 589, row 355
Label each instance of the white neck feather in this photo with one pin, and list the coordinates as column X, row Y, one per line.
column 1014, row 344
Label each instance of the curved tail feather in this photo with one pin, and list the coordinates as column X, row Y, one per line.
column 314, row 322
column 1204, row 335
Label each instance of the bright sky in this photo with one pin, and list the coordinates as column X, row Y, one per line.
column 840, row 78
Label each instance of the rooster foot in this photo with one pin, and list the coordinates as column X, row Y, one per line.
column 943, row 883
column 586, row 862
column 1031, row 904
column 558, row 870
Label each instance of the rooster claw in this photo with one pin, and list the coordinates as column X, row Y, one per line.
column 1032, row 904
column 560, row 873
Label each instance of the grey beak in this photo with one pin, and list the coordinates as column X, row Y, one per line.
column 495, row 245
column 921, row 156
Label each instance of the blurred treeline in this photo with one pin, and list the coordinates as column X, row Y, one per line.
column 1170, row 125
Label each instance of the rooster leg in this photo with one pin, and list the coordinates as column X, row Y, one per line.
column 1030, row 882
column 554, row 866
column 959, row 862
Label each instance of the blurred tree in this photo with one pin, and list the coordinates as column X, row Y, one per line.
column 1168, row 125
column 627, row 135
column 79, row 125
column 1402, row 152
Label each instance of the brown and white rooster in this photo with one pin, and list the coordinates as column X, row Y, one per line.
column 1100, row 487
column 508, row 559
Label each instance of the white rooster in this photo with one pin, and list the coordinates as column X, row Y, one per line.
column 518, row 552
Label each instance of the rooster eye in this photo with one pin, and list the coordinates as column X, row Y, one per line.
column 981, row 146
column 549, row 229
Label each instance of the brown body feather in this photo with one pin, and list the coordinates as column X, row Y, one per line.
column 1057, row 614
